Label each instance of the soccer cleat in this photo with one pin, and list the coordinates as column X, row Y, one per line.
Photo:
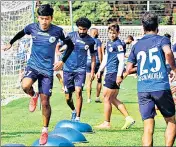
column 128, row 123
column 73, row 116
column 98, row 101
column 43, row 138
column 104, row 125
column 33, row 103
column 89, row 100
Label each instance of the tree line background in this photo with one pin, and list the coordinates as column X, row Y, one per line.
column 105, row 12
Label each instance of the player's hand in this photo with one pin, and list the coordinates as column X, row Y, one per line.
column 98, row 75
column 92, row 76
column 58, row 65
column 119, row 80
column 125, row 75
column 6, row 47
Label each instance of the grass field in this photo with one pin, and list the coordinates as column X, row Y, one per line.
column 18, row 125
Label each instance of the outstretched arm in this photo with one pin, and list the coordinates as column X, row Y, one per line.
column 15, row 38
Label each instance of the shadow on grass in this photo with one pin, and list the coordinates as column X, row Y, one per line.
column 128, row 130
column 16, row 134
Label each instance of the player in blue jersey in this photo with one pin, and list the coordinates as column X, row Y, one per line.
column 99, row 55
column 151, row 53
column 40, row 64
column 126, row 41
column 114, row 63
column 75, row 67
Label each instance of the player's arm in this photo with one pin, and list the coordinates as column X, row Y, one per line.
column 121, row 64
column 100, row 54
column 166, row 46
column 131, row 68
column 93, row 60
column 169, row 57
column 15, row 38
column 70, row 46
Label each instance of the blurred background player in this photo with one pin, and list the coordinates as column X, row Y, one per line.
column 114, row 63
column 99, row 56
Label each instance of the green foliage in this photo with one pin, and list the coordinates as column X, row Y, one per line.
column 97, row 12
column 174, row 19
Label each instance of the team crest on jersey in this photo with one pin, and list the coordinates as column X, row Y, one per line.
column 52, row 39
column 120, row 48
column 110, row 49
column 86, row 47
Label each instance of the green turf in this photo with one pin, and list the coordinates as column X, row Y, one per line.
column 21, row 126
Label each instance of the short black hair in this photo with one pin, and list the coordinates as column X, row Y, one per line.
column 114, row 26
column 130, row 37
column 150, row 21
column 167, row 35
column 45, row 10
column 83, row 22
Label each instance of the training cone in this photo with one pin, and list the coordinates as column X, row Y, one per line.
column 71, row 134
column 81, row 127
column 54, row 140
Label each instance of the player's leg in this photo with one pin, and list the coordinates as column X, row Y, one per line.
column 99, row 85
column 129, row 121
column 80, row 78
column 58, row 75
column 45, row 85
column 69, row 89
column 88, row 82
column 165, row 104
column 30, row 76
column 107, row 93
column 148, row 112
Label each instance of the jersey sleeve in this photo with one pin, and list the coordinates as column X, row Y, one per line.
column 61, row 35
column 99, row 43
column 120, row 48
column 165, row 41
column 174, row 48
column 91, row 48
column 27, row 29
column 132, row 56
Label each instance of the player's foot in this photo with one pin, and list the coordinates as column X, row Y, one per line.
column 128, row 123
column 104, row 125
column 43, row 138
column 73, row 117
column 89, row 100
column 97, row 100
column 33, row 102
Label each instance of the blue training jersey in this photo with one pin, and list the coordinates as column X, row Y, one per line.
column 174, row 48
column 151, row 65
column 43, row 47
column 113, row 49
column 124, row 45
column 97, row 47
column 77, row 61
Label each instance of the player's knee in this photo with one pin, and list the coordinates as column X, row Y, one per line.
column 78, row 92
column 107, row 99
column 45, row 103
column 25, row 87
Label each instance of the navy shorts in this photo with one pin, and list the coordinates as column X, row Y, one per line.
column 72, row 80
column 163, row 100
column 45, row 83
column 110, row 81
column 88, row 67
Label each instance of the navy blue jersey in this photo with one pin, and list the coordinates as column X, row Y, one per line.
column 151, row 65
column 97, row 47
column 77, row 61
column 174, row 48
column 43, row 47
column 113, row 49
column 124, row 45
